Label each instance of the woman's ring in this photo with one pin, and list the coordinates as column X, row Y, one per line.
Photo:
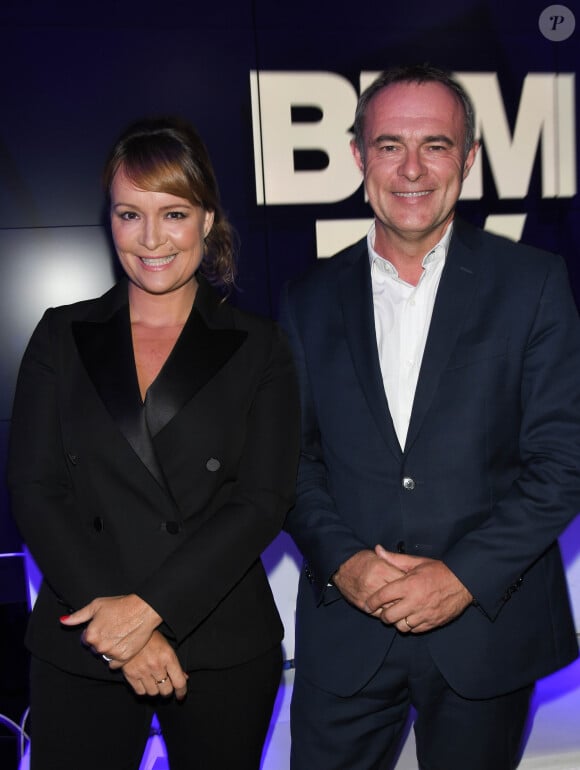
column 161, row 681
column 106, row 658
column 409, row 626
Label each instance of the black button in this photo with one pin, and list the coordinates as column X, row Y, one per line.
column 73, row 459
column 98, row 524
column 401, row 547
column 172, row 527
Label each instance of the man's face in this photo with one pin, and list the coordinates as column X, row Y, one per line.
column 414, row 164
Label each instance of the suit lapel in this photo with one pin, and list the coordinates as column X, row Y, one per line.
column 453, row 302
column 357, row 307
column 106, row 349
column 199, row 353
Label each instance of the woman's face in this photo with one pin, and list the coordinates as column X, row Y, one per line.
column 158, row 236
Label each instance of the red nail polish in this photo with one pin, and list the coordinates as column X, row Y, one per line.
column 64, row 617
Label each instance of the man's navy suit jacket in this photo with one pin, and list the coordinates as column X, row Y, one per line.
column 491, row 461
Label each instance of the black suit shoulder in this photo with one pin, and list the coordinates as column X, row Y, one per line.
column 92, row 309
column 263, row 336
column 253, row 323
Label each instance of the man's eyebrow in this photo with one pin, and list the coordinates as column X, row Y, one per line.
column 382, row 138
column 439, row 139
column 429, row 139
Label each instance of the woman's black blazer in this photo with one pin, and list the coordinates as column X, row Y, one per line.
column 173, row 499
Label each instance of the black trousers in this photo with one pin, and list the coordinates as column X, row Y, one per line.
column 364, row 731
column 87, row 724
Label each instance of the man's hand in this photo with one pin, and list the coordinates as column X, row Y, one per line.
column 118, row 626
column 362, row 576
column 156, row 670
column 426, row 596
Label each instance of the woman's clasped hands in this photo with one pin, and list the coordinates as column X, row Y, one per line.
column 123, row 631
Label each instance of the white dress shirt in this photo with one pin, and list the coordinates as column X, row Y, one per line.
column 402, row 317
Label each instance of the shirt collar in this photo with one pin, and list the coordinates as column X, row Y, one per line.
column 437, row 254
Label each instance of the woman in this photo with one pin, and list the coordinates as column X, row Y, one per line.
column 153, row 455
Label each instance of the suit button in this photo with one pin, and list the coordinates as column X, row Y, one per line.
column 73, row 459
column 98, row 524
column 213, row 465
column 172, row 527
column 401, row 547
column 408, row 483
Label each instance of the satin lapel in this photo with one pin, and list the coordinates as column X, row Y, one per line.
column 106, row 350
column 453, row 302
column 357, row 307
column 199, row 353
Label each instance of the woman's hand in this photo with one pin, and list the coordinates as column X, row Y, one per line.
column 155, row 670
column 118, row 627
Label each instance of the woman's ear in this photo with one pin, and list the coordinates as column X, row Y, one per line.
column 208, row 223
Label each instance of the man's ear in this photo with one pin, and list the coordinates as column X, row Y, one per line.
column 358, row 159
column 470, row 159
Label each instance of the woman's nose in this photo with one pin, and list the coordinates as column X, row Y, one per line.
column 152, row 235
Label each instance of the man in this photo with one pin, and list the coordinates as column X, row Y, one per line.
column 440, row 377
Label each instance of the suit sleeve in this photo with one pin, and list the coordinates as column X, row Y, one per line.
column 545, row 496
column 253, row 514
column 42, row 500
column 319, row 531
